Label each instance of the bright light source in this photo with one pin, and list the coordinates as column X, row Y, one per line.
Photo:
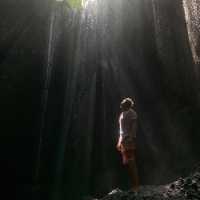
column 75, row 3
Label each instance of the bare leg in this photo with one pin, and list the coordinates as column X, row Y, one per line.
column 132, row 169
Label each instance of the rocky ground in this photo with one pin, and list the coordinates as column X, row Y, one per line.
column 183, row 189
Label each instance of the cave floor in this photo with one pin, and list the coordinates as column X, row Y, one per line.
column 182, row 189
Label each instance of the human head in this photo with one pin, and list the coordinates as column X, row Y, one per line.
column 126, row 104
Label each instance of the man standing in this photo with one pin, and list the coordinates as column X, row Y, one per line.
column 127, row 139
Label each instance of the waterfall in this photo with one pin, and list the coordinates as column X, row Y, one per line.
column 97, row 65
column 111, row 50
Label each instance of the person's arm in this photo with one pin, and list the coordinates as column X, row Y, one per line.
column 119, row 142
column 120, row 134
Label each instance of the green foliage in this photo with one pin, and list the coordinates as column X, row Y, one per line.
column 75, row 3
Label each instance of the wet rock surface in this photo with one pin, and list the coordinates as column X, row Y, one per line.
column 183, row 189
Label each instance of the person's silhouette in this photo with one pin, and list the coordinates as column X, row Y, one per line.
column 127, row 139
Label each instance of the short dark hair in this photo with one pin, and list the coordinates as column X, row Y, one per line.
column 127, row 103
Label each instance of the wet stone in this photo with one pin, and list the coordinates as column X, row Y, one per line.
column 183, row 189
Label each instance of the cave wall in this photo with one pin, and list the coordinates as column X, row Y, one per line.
column 179, row 83
column 192, row 15
column 142, row 50
column 23, row 44
column 165, row 90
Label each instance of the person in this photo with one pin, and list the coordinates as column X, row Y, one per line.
column 126, row 144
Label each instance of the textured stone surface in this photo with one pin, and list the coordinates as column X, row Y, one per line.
column 182, row 189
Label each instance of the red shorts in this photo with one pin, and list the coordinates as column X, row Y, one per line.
column 128, row 151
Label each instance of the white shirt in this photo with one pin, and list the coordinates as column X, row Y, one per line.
column 125, row 122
